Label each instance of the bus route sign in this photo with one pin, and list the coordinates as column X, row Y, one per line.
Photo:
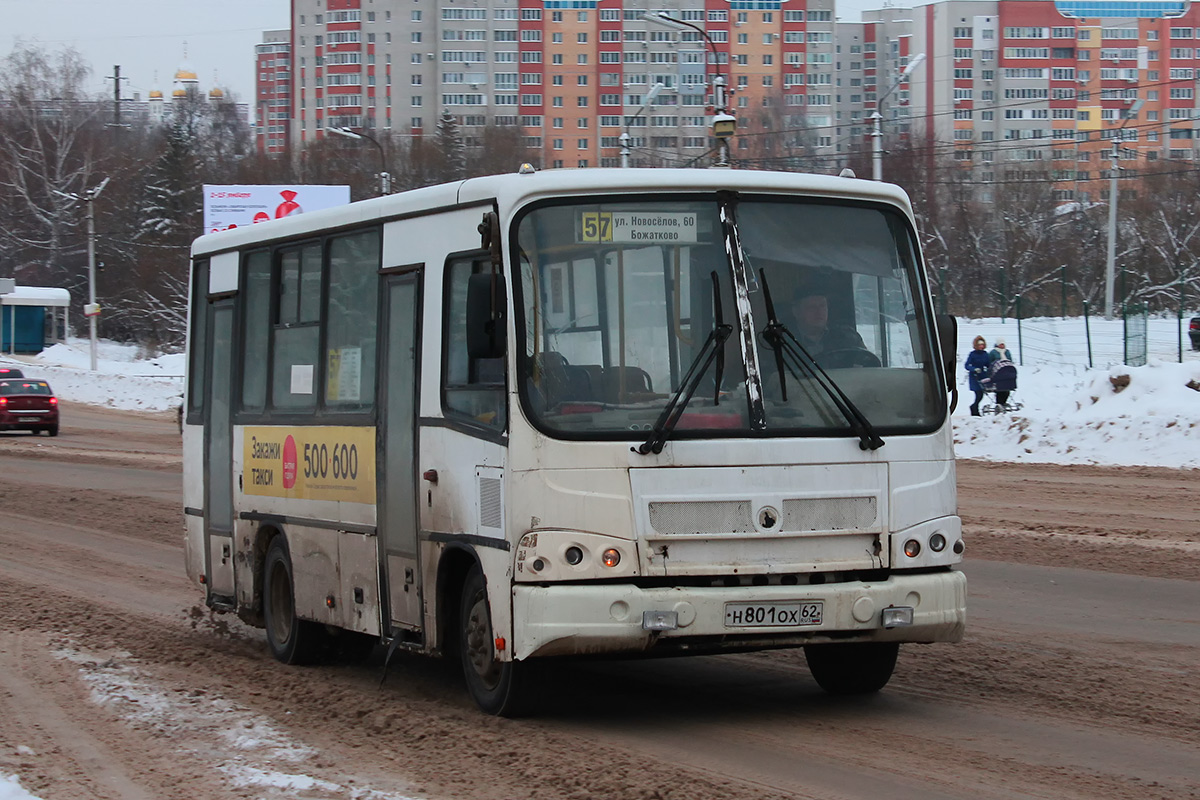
column 637, row 227
column 310, row 463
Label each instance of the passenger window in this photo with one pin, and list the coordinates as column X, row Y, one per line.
column 256, row 328
column 350, row 327
column 297, row 329
column 199, row 340
column 473, row 388
column 300, row 285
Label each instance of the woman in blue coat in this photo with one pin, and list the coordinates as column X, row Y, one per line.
column 977, row 367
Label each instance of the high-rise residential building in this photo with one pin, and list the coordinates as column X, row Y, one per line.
column 1050, row 91
column 573, row 74
column 273, row 91
column 1038, row 89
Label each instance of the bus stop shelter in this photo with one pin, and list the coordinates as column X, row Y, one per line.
column 31, row 317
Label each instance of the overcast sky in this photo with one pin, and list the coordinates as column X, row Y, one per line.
column 149, row 37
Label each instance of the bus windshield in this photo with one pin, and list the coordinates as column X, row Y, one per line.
column 618, row 299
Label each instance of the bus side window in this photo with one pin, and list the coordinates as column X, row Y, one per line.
column 199, row 342
column 296, row 334
column 350, row 322
column 472, row 388
column 256, row 330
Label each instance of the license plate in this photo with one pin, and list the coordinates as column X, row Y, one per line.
column 29, row 419
column 772, row 615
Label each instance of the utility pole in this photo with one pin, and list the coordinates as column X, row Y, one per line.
column 116, row 79
column 1111, row 260
column 724, row 123
column 649, row 98
column 877, row 118
column 385, row 177
column 91, row 310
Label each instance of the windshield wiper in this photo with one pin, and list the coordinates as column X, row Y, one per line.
column 783, row 342
column 712, row 349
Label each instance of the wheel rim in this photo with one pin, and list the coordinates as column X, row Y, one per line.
column 478, row 643
column 281, row 604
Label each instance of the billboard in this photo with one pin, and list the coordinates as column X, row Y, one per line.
column 238, row 206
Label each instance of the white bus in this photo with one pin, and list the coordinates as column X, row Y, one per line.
column 578, row 412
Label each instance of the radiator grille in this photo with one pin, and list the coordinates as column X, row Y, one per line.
column 737, row 516
column 723, row 516
column 829, row 514
column 491, row 514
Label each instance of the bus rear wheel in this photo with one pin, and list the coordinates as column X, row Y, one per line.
column 497, row 687
column 852, row 667
column 291, row 639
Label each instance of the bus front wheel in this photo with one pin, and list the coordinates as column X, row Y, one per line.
column 291, row 639
column 497, row 687
column 852, row 667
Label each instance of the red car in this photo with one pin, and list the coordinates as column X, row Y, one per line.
column 28, row 404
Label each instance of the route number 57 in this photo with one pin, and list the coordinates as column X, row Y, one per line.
column 597, row 226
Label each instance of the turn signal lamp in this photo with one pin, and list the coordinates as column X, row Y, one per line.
column 611, row 557
column 912, row 548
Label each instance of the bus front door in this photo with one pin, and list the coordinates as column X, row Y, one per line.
column 399, row 379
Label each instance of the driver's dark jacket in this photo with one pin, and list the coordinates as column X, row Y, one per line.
column 836, row 337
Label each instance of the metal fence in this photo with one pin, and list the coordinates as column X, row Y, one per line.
column 1089, row 341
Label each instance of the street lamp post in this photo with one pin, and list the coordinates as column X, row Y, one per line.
column 649, row 98
column 1110, row 263
column 91, row 310
column 877, row 118
column 385, row 179
column 724, row 123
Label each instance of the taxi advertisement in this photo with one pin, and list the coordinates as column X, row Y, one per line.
column 310, row 463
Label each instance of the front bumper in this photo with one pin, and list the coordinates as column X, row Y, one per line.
column 580, row 619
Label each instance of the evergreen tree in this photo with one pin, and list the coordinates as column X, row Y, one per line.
column 451, row 149
column 170, row 210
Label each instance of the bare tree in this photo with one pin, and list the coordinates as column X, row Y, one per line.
column 50, row 130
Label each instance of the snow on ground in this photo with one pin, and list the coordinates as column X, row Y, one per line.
column 1071, row 414
column 124, row 378
column 1075, row 415
column 10, row 789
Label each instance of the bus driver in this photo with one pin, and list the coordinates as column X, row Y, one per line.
column 813, row 329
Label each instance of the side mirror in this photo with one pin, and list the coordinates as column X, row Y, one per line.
column 485, row 315
column 947, row 333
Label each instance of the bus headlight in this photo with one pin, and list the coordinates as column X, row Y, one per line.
column 937, row 542
column 553, row 554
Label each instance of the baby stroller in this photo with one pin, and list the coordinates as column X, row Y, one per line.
column 1003, row 380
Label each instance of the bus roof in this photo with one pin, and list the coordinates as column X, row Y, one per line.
column 512, row 190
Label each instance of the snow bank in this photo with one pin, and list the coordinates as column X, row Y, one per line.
column 10, row 789
column 122, row 379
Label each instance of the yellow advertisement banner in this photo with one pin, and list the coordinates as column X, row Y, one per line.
column 310, row 463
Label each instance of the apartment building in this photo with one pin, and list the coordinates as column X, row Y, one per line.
column 1007, row 88
column 273, row 91
column 1044, row 90
column 573, row 74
